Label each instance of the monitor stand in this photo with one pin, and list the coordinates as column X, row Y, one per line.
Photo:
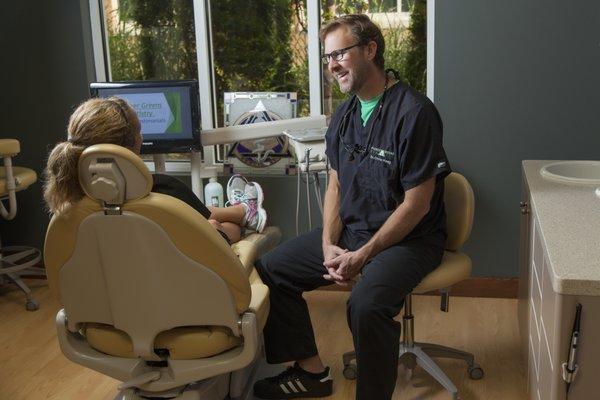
column 197, row 169
column 196, row 174
column 159, row 163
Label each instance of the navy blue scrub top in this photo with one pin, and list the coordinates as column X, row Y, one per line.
column 405, row 150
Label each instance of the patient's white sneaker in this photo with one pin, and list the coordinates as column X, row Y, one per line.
column 256, row 216
column 236, row 190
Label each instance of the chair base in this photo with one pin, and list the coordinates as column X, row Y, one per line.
column 413, row 353
column 16, row 261
column 420, row 354
column 209, row 389
column 226, row 386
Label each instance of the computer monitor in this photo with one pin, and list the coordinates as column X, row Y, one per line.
column 168, row 112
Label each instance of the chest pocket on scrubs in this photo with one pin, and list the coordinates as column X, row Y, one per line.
column 380, row 177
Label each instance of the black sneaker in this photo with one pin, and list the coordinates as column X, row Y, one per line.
column 294, row 383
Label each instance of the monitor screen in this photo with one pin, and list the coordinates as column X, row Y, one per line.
column 168, row 112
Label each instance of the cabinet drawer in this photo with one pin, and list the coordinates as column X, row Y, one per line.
column 534, row 338
column 532, row 373
column 537, row 248
column 548, row 310
column 535, row 291
column 546, row 370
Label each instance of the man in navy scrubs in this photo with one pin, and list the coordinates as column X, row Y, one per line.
column 383, row 218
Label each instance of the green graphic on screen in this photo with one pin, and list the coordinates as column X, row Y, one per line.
column 174, row 101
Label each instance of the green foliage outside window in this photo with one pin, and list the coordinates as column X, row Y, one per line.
column 152, row 40
column 406, row 50
column 254, row 47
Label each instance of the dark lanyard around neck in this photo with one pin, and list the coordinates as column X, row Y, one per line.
column 357, row 148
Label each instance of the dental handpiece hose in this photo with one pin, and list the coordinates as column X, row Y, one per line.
column 307, row 163
column 571, row 362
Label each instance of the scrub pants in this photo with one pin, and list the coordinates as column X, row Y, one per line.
column 297, row 266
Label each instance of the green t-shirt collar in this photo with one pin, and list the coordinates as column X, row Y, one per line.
column 367, row 107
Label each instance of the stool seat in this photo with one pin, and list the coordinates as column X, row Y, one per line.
column 455, row 267
column 23, row 176
column 10, row 147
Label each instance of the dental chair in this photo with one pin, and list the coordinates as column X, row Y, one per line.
column 16, row 261
column 152, row 294
column 455, row 267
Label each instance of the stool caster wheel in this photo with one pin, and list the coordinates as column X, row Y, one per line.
column 32, row 305
column 475, row 372
column 350, row 372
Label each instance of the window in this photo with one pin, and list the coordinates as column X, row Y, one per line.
column 404, row 34
column 259, row 46
column 150, row 40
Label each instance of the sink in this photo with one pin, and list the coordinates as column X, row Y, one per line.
column 575, row 172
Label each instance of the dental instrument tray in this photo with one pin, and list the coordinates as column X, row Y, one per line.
column 306, row 135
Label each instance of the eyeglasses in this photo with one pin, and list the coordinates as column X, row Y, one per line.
column 337, row 55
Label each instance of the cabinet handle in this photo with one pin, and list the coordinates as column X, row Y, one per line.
column 524, row 207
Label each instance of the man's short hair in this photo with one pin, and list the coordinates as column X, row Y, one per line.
column 363, row 29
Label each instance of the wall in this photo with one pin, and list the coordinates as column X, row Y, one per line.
column 43, row 73
column 514, row 80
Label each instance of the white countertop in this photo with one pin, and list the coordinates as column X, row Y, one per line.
column 569, row 220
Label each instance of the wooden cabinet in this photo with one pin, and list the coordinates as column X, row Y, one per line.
column 546, row 320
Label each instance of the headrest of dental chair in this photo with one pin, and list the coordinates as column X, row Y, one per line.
column 113, row 174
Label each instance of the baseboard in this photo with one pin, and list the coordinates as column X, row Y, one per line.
column 501, row 288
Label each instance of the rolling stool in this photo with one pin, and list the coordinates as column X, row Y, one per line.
column 455, row 267
column 16, row 261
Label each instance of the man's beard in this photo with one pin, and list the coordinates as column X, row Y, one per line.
column 356, row 80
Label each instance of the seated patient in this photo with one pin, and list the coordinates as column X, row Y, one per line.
column 113, row 121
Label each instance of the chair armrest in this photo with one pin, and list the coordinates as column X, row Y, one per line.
column 247, row 252
column 9, row 147
column 259, row 304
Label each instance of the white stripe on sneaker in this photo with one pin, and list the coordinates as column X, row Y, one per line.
column 285, row 390
column 260, row 196
column 291, row 385
column 300, row 385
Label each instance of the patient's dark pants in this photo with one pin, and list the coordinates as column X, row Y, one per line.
column 297, row 266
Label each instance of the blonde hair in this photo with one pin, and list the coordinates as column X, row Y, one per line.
column 95, row 121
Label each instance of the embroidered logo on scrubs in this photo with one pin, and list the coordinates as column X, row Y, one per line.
column 382, row 155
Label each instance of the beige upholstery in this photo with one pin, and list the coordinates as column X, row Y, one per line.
column 182, row 343
column 24, row 177
column 140, row 272
column 456, row 266
column 248, row 249
column 139, row 180
column 460, row 206
column 199, row 342
column 9, row 147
